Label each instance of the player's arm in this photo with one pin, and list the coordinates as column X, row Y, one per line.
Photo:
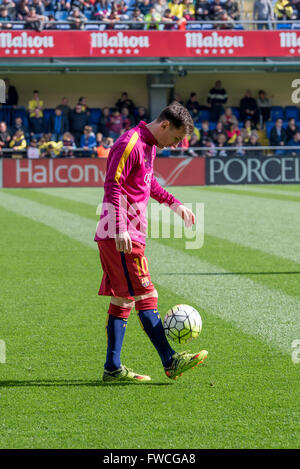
column 162, row 196
column 123, row 158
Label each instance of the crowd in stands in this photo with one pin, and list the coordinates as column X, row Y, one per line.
column 219, row 129
column 265, row 11
column 147, row 14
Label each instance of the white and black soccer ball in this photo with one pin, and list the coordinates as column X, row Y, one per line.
column 182, row 323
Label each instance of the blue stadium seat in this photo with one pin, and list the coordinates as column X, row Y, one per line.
column 18, row 26
column 88, row 14
column 95, row 114
column 276, row 113
column 61, row 15
column 291, row 111
column 296, row 25
column 269, row 126
column 47, row 114
column 212, row 125
column 236, row 112
column 91, row 27
column 63, row 26
column 239, row 27
column 21, row 112
column 204, row 115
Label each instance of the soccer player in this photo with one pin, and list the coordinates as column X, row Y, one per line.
column 121, row 234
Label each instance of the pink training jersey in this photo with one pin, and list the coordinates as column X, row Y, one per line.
column 128, row 185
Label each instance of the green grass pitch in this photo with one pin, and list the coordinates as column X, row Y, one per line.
column 245, row 282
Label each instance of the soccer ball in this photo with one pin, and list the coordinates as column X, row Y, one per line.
column 182, row 323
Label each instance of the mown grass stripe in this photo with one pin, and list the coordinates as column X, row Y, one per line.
column 260, row 194
column 252, row 307
column 261, row 190
column 220, row 252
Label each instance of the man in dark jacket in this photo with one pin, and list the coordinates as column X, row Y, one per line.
column 58, row 125
column 12, row 97
column 78, row 120
column 278, row 136
column 216, row 99
column 248, row 108
column 36, row 125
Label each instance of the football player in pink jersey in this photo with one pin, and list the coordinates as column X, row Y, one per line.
column 121, row 235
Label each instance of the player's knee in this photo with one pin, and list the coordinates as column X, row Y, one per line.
column 147, row 301
column 120, row 307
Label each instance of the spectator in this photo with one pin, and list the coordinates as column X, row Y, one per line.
column 18, row 125
column 141, row 115
column 22, row 10
column 232, row 9
column 35, row 103
column 78, row 120
column 18, row 143
column 193, row 103
column 50, row 23
column 239, row 147
column 115, row 124
column 291, row 129
column 194, row 143
column 138, row 18
column 248, row 108
column 296, row 7
column 127, row 119
column 160, row 7
column 253, row 143
column 104, row 121
column 39, row 7
column 84, row 106
column 103, row 146
column 216, row 10
column 111, row 19
column 80, row 5
column 216, row 99
column 5, row 19
column 145, row 6
column 218, row 131
column 64, row 107
column 122, row 10
column 51, row 149
column 34, row 21
column 77, row 19
column 125, row 101
column 232, row 133
column 176, row 8
column 220, row 145
column 294, row 142
column 88, row 141
column 51, row 5
column 36, row 125
column 264, row 107
column 228, row 118
column 205, row 133
column 226, row 21
column 167, row 20
column 247, row 131
column 12, row 97
column 58, row 125
column 33, row 152
column 278, row 136
column 4, row 137
column 263, row 11
column 210, row 149
column 68, row 145
column 152, row 19
column 283, row 10
column 11, row 8
column 202, row 10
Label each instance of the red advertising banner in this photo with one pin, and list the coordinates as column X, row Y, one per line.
column 132, row 44
column 83, row 172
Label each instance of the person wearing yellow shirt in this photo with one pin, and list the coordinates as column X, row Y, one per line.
column 51, row 149
column 18, row 143
column 35, row 103
column 283, row 10
column 177, row 8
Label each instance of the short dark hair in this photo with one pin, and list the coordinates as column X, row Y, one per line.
column 178, row 116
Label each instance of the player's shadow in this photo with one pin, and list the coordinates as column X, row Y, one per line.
column 72, row 383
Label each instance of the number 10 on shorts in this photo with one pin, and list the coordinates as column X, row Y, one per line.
column 142, row 265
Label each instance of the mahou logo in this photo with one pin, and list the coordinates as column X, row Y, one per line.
column 119, row 43
column 214, row 43
column 25, row 43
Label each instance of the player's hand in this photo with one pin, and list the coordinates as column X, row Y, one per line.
column 187, row 215
column 123, row 242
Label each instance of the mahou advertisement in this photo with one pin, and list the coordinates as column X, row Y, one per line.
column 150, row 44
